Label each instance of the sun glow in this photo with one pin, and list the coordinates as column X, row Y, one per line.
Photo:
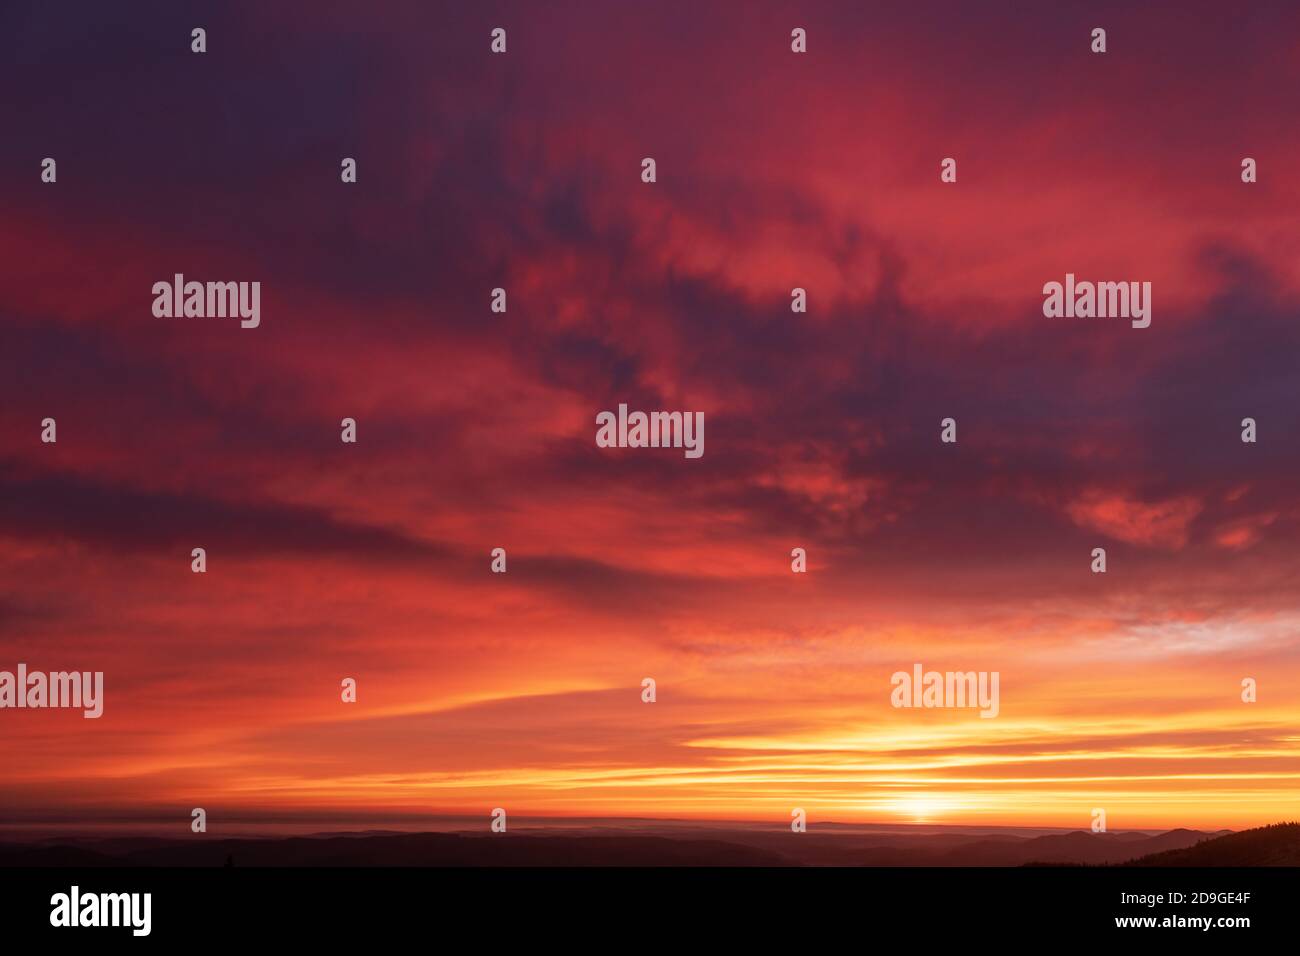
column 924, row 809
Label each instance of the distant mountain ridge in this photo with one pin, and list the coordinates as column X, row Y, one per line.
column 410, row 849
column 1079, row 847
column 1277, row 845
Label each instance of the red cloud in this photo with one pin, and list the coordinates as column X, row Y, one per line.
column 1162, row 524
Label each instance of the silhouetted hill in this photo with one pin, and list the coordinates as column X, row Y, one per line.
column 1274, row 845
column 1070, row 848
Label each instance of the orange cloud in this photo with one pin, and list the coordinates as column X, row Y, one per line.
column 1160, row 524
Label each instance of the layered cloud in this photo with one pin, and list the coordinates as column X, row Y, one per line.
column 476, row 429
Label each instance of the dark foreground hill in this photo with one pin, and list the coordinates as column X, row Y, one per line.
column 1275, row 845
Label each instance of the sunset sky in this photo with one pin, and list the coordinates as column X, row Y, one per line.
column 476, row 430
